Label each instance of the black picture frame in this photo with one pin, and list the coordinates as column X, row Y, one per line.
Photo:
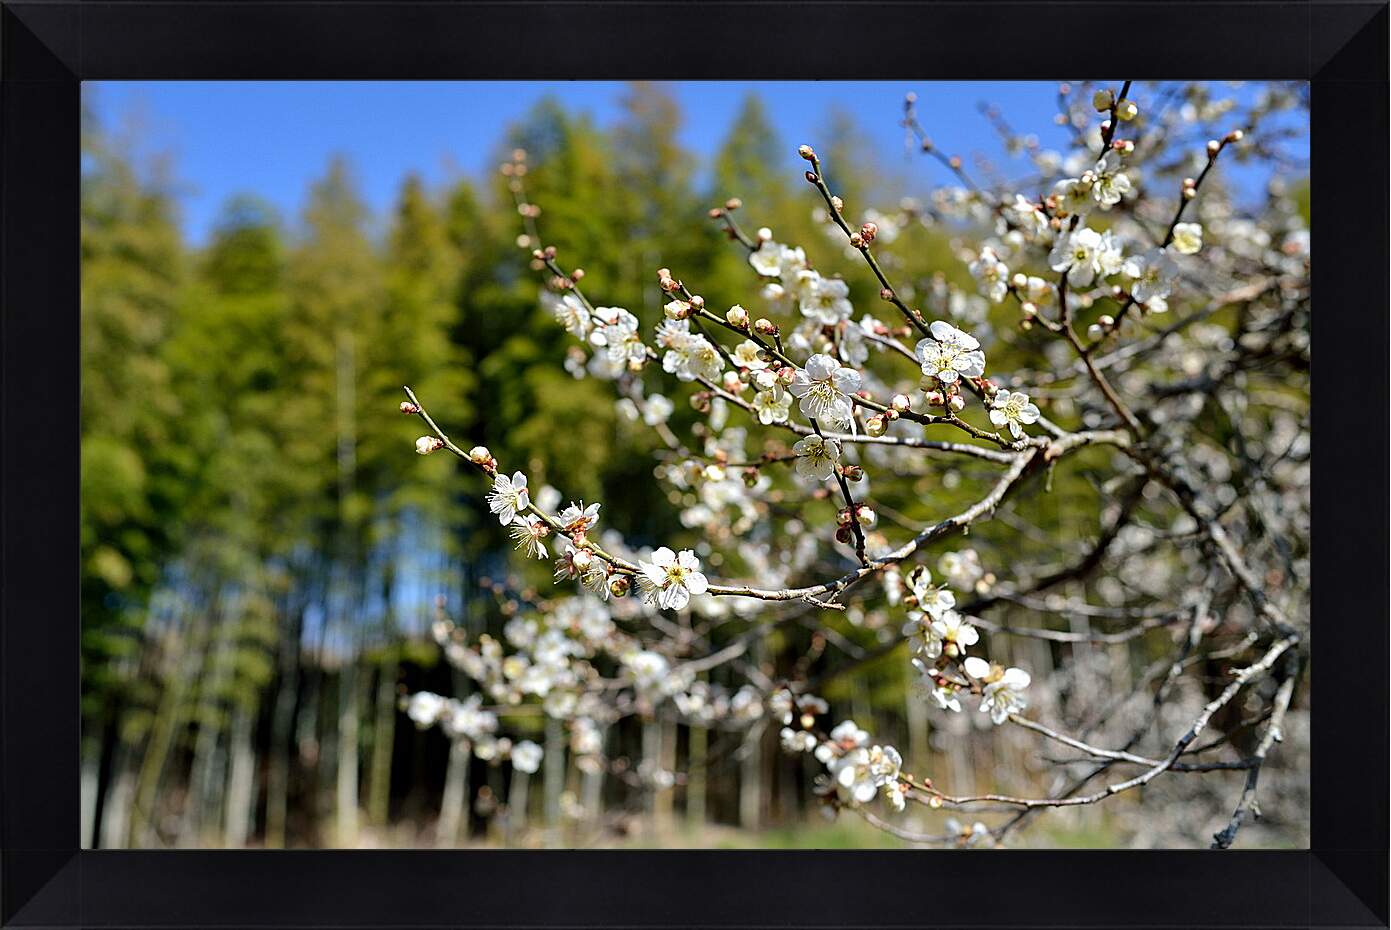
column 48, row 48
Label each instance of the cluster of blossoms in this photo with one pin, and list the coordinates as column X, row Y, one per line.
column 939, row 637
column 1084, row 238
column 858, row 771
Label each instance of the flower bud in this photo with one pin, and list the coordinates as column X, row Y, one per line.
column 1213, row 147
column 1127, row 110
column 1234, row 136
column 875, row 425
column 857, row 240
column 1106, row 320
column 714, row 213
column 764, row 234
column 733, row 203
column 806, row 152
column 732, row 382
column 427, row 444
column 1020, row 280
column 1026, row 324
column 750, row 476
column 697, row 301
column 844, row 535
column 408, row 407
column 1106, row 125
column 837, row 204
column 1095, row 331
column 677, row 310
column 1029, row 308
column 866, row 516
column 577, row 274
column 868, row 231
column 886, row 294
column 852, row 472
column 765, row 327
column 1102, row 100
column 957, row 402
column 737, row 316
column 1189, row 193
column 581, row 559
column 810, row 176
column 548, row 252
column 618, row 585
column 901, row 402
column 935, row 399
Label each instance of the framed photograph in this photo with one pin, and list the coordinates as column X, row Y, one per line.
column 730, row 465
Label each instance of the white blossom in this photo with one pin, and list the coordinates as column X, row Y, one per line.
column 950, row 354
column 571, row 313
column 1013, row 409
column 772, row 406
column 825, row 300
column 816, row 457
column 529, row 531
column 670, row 579
column 616, row 332
column 1110, row 184
column 823, row 390
column 991, row 274
column 1085, row 255
column 1188, row 238
column 508, row 497
column 526, row 756
column 577, row 519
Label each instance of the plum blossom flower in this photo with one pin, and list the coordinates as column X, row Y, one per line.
column 616, row 332
column 1074, row 196
column 1086, row 255
column 1109, row 183
column 1004, row 688
column 526, row 756
column 772, row 406
column 650, row 670
column 1188, row 238
column 931, row 598
column 1014, row 410
column 529, row 532
column 656, row 409
column 772, row 260
column 797, row 740
column 823, row 390
column 945, row 697
column 861, row 772
column 508, row 497
column 424, row 708
column 1029, row 215
column 991, row 274
column 1154, row 272
column 962, row 569
column 670, row 579
column 845, row 737
column 745, row 355
column 954, row 630
column 950, row 354
column 825, row 300
column 816, row 457
column 570, row 313
column 577, row 519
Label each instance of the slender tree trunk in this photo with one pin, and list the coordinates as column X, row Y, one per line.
column 90, row 785
column 346, row 793
column 282, row 733
column 554, row 779
column 241, row 781
column 384, row 724
column 751, row 778
column 516, row 806
column 120, row 798
column 698, row 744
column 453, row 820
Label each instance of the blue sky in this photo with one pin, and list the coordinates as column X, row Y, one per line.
column 274, row 138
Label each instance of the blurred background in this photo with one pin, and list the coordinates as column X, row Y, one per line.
column 265, row 265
